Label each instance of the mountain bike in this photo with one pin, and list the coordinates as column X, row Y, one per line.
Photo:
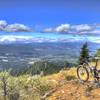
column 84, row 70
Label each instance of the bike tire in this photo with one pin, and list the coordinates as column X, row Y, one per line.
column 87, row 73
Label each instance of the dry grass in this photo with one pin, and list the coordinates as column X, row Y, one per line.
column 74, row 90
column 60, row 86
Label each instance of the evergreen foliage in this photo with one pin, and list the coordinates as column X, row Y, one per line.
column 84, row 54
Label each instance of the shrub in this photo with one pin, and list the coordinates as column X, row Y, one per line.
column 69, row 78
column 41, row 86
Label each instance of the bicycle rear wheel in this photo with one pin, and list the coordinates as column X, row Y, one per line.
column 82, row 73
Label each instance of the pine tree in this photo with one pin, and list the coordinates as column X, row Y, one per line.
column 84, row 54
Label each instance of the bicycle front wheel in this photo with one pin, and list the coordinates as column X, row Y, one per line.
column 82, row 73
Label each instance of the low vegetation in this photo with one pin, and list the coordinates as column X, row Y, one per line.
column 23, row 87
column 27, row 87
column 58, row 86
column 47, row 81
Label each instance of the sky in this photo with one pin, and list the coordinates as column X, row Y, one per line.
column 47, row 13
column 27, row 17
column 78, row 16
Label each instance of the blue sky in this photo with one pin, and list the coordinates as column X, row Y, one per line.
column 47, row 13
column 49, row 16
column 55, row 16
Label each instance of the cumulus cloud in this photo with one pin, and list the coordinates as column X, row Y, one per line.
column 63, row 28
column 48, row 30
column 82, row 27
column 4, row 26
column 58, row 29
column 67, row 28
column 17, row 28
column 95, row 32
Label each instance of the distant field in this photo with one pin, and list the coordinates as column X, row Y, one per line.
column 18, row 55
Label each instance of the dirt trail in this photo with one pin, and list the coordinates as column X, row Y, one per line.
column 73, row 90
column 68, row 87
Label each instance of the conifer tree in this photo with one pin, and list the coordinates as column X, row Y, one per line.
column 84, row 54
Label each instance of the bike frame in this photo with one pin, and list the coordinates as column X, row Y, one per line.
column 93, row 69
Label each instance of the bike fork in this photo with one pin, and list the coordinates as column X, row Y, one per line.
column 96, row 78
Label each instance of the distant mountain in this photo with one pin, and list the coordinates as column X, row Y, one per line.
column 43, row 38
column 20, row 55
column 14, row 39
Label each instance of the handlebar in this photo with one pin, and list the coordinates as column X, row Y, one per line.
column 93, row 58
column 96, row 59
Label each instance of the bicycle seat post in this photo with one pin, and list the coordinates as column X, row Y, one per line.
column 96, row 63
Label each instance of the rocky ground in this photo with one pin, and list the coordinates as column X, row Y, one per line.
column 69, row 87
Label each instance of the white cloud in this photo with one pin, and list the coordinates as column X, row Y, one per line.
column 82, row 28
column 14, row 38
column 63, row 28
column 95, row 31
column 16, row 28
column 49, row 30
column 67, row 28
column 3, row 24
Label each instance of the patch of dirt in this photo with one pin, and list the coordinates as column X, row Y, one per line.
column 73, row 90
